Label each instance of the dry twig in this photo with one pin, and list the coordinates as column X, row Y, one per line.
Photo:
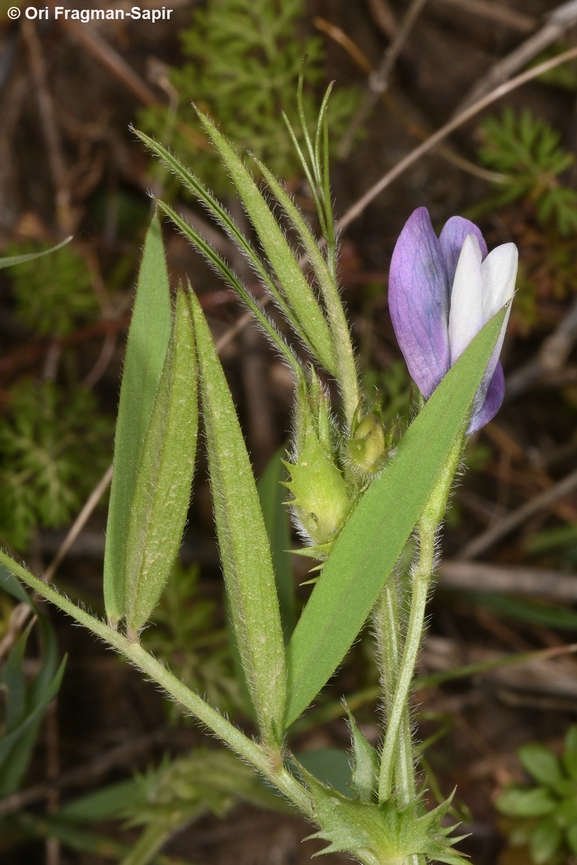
column 561, row 20
column 431, row 142
column 384, row 17
column 538, row 503
column 413, row 124
column 89, row 772
column 517, row 580
column 49, row 127
column 79, row 522
column 493, row 12
column 378, row 80
column 550, row 359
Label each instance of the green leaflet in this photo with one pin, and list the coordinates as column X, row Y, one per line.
column 295, row 287
column 146, row 349
column 271, row 494
column 244, row 546
column 373, row 539
column 343, row 348
column 365, row 768
column 162, row 490
column 229, row 276
column 219, row 214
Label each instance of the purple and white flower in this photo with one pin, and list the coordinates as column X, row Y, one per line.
column 442, row 291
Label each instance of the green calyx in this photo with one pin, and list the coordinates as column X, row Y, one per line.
column 320, row 496
column 381, row 834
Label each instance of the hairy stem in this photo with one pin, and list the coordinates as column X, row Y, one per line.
column 399, row 705
column 389, row 628
column 393, row 745
column 269, row 764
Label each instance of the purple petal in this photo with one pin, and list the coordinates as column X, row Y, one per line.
column 419, row 301
column 452, row 238
column 492, row 402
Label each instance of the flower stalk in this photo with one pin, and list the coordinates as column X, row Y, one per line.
column 394, row 743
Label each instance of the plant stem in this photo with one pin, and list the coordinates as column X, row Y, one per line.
column 394, row 746
column 421, row 579
column 390, row 640
column 265, row 761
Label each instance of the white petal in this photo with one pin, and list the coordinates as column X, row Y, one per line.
column 466, row 312
column 498, row 272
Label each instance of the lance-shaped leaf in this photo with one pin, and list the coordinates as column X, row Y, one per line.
column 343, row 349
column 146, row 348
column 290, row 276
column 162, row 491
column 229, row 276
column 373, row 539
column 220, row 215
column 244, row 546
column 272, row 497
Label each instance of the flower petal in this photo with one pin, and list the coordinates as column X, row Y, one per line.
column 492, row 402
column 498, row 272
column 452, row 238
column 419, row 301
column 466, row 313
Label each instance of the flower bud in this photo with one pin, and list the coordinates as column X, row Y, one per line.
column 320, row 500
column 367, row 447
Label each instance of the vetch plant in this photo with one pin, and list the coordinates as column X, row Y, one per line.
column 357, row 491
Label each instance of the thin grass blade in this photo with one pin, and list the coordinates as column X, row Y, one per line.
column 8, row 261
